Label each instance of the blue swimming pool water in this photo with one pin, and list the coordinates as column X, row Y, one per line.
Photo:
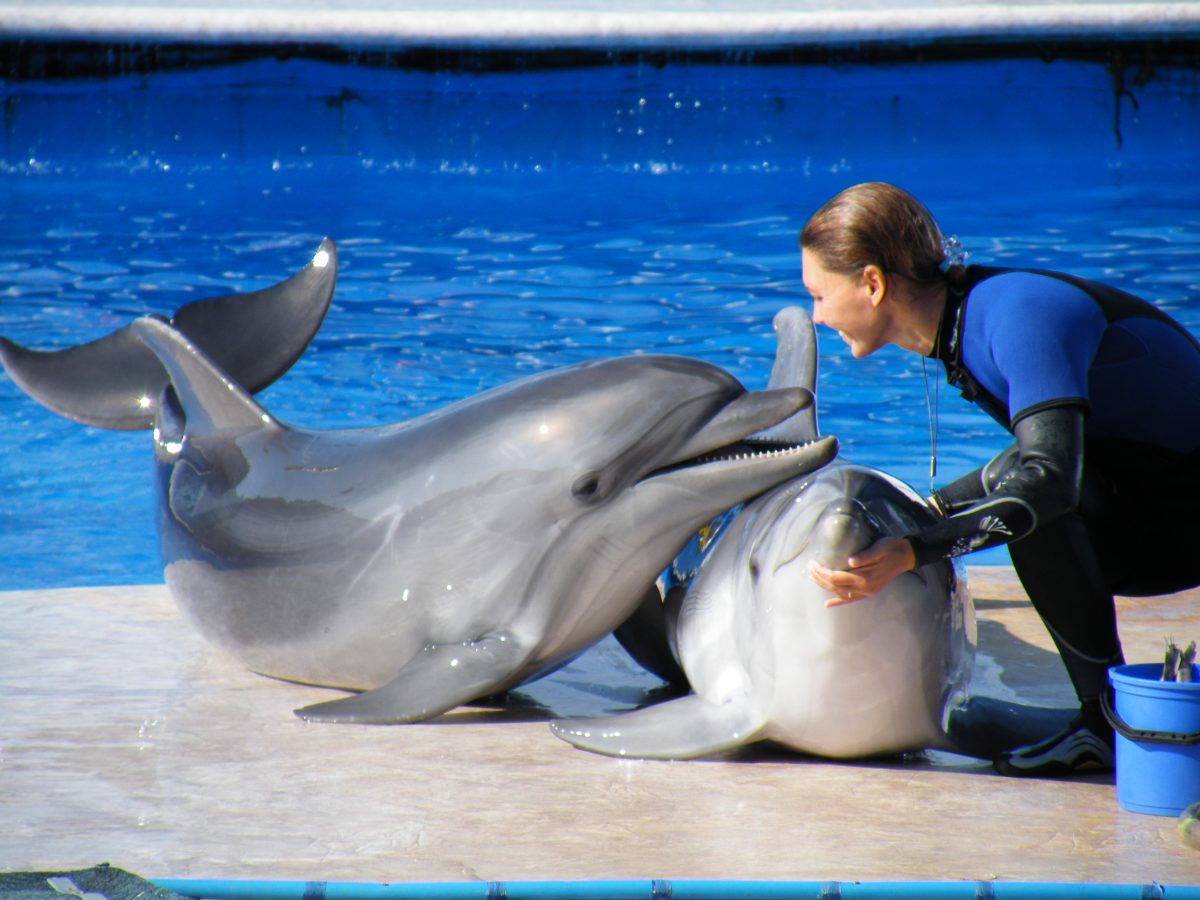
column 493, row 225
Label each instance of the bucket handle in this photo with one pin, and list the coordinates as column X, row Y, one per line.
column 1135, row 734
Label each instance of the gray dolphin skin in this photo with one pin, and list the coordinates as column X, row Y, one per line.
column 436, row 561
column 768, row 661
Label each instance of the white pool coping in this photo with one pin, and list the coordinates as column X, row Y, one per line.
column 591, row 23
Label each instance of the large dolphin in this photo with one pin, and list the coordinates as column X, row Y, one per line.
column 446, row 558
column 768, row 661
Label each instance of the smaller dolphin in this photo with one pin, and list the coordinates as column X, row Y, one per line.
column 768, row 661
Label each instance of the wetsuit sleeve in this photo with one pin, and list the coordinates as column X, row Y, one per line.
column 959, row 494
column 1040, row 483
column 974, row 486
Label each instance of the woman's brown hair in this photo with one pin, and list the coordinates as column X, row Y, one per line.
column 877, row 224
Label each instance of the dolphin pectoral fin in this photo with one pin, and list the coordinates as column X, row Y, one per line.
column 436, row 681
column 678, row 729
column 985, row 727
column 647, row 635
column 115, row 382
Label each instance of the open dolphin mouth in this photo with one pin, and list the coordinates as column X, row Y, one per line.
column 751, row 430
column 759, row 447
column 810, row 454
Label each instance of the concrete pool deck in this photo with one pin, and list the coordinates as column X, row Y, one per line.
column 594, row 23
column 128, row 739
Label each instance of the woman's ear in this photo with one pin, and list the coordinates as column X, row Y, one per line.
column 875, row 282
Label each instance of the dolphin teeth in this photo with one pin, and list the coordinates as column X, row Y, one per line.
column 745, row 455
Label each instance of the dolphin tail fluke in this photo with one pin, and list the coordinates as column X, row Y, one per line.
column 795, row 366
column 435, row 681
column 115, row 382
column 678, row 729
column 258, row 336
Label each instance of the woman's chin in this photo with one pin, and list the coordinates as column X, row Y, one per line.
column 857, row 349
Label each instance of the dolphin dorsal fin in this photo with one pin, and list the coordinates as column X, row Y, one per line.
column 211, row 400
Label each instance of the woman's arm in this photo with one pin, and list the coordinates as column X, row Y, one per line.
column 1041, row 482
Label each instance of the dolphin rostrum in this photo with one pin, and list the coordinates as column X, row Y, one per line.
column 439, row 560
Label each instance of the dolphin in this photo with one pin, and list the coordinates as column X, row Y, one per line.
column 435, row 561
column 768, row 661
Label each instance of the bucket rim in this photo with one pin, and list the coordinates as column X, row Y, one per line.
column 1149, row 675
column 1146, row 686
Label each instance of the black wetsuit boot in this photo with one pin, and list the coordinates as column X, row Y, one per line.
column 1058, row 568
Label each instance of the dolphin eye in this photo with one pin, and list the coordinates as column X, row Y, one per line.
column 586, row 486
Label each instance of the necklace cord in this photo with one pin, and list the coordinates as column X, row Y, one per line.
column 931, row 409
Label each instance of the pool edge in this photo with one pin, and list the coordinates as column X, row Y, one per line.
column 408, row 24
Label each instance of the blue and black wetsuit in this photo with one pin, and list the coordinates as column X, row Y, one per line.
column 1100, row 494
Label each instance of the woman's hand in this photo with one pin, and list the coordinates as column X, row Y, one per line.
column 869, row 573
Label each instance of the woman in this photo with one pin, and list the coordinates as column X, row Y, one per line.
column 1100, row 492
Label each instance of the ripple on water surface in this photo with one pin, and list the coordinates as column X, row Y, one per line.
column 486, row 285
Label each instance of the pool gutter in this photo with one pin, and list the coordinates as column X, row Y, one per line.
column 675, row 890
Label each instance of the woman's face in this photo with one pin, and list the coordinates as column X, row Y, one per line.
column 847, row 304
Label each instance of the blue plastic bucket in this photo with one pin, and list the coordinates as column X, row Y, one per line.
column 1157, row 726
